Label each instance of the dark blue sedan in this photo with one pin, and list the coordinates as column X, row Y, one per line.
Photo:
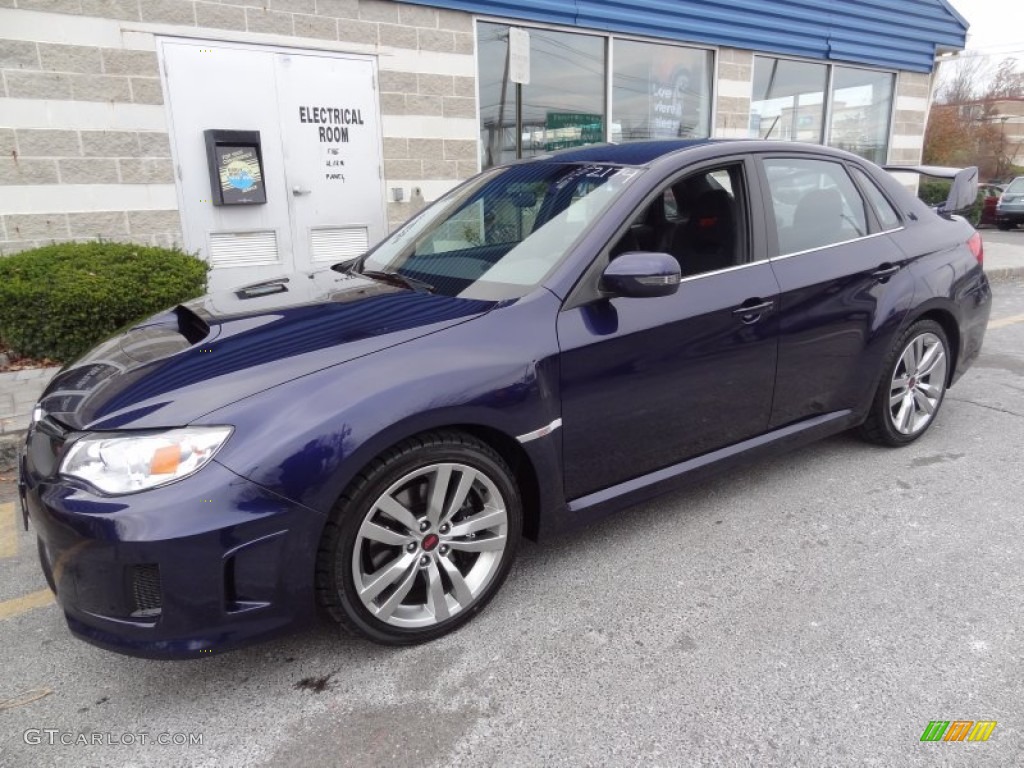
column 551, row 341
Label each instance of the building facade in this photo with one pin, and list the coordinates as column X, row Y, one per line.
column 274, row 135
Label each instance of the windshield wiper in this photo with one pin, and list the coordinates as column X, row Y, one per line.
column 396, row 278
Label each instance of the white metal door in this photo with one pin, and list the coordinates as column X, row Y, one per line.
column 320, row 135
column 332, row 149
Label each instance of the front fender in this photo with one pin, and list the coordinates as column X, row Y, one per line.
column 307, row 439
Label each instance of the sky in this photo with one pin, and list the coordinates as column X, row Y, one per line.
column 997, row 28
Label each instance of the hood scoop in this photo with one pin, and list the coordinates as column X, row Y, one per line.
column 190, row 325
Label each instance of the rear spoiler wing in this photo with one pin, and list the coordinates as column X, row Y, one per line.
column 962, row 192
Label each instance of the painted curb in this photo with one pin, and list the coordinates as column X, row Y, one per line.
column 1004, row 274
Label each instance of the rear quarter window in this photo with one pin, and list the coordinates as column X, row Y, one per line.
column 887, row 215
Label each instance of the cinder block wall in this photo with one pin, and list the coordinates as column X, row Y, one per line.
column 84, row 149
column 734, row 90
column 913, row 98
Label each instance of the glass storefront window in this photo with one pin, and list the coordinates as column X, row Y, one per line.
column 861, row 106
column 664, row 91
column 788, row 100
column 660, row 92
column 563, row 104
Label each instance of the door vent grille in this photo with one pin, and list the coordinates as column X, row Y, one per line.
column 336, row 243
column 243, row 249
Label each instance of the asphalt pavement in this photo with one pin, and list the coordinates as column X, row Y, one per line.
column 1004, row 252
column 819, row 608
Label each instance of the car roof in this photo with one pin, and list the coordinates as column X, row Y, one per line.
column 646, row 153
column 633, row 153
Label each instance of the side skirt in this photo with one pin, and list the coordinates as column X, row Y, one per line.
column 594, row 506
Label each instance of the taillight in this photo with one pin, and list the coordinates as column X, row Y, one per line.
column 977, row 248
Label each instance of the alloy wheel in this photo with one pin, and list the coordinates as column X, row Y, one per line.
column 429, row 545
column 918, row 383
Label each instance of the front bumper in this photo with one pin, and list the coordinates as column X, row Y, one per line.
column 206, row 564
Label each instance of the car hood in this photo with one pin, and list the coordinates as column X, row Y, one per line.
column 174, row 367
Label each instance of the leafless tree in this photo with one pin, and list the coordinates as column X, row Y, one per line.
column 1008, row 81
column 962, row 79
column 965, row 127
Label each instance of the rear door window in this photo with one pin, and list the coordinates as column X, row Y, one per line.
column 814, row 202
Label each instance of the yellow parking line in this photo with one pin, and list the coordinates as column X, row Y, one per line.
column 8, row 531
column 24, row 604
column 1012, row 319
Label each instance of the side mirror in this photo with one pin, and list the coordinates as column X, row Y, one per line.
column 640, row 274
column 962, row 192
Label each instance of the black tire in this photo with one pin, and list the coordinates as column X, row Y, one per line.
column 336, row 587
column 44, row 561
column 1003, row 226
column 880, row 426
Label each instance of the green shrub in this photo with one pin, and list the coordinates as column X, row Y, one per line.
column 933, row 192
column 59, row 300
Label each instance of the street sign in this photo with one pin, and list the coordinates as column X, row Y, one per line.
column 519, row 56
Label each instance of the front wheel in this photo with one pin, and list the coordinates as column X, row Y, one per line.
column 912, row 387
column 421, row 541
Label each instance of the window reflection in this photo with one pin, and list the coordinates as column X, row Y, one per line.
column 563, row 104
column 788, row 100
column 498, row 235
column 660, row 92
column 861, row 106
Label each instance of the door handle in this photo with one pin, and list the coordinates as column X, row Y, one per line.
column 751, row 313
column 885, row 270
column 300, row 191
column 753, row 309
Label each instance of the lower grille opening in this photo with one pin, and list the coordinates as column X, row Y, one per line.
column 147, row 593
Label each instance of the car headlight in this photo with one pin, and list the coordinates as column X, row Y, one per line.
column 125, row 463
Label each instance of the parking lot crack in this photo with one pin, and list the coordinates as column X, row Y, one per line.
column 989, row 407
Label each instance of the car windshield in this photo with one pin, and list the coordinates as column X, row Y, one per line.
column 1016, row 186
column 497, row 236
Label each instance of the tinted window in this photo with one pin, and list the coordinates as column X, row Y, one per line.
column 815, row 204
column 887, row 215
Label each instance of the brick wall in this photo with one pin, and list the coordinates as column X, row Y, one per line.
column 84, row 150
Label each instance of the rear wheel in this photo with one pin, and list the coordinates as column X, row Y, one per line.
column 1003, row 225
column 912, row 387
column 421, row 541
